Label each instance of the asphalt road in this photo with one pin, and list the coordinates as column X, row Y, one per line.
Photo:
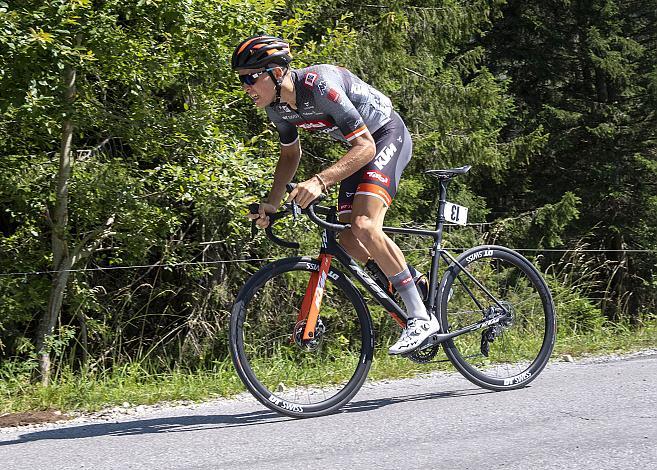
column 584, row 415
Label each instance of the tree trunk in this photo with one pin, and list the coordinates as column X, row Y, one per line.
column 62, row 259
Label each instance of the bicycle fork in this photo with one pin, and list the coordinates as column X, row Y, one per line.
column 312, row 301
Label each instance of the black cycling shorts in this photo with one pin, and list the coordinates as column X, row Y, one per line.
column 380, row 177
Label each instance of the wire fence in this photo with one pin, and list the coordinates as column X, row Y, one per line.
column 260, row 260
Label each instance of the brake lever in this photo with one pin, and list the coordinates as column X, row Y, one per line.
column 296, row 210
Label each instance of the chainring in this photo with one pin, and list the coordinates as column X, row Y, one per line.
column 424, row 356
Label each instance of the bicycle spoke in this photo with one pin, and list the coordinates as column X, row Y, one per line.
column 309, row 374
column 511, row 349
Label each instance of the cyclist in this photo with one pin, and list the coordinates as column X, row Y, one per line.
column 332, row 100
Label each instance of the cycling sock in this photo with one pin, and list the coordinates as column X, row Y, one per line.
column 404, row 285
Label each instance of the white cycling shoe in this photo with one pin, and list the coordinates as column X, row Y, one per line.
column 415, row 333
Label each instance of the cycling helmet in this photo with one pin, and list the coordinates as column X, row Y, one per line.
column 259, row 51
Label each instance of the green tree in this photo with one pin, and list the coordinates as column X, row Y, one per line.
column 585, row 72
column 99, row 111
column 422, row 55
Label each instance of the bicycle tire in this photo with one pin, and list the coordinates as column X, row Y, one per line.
column 521, row 345
column 274, row 367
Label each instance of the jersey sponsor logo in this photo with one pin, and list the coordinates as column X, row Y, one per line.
column 374, row 175
column 313, row 125
column 334, row 95
column 384, row 156
column 321, row 86
column 308, row 109
column 345, row 207
column 317, row 126
column 357, row 89
column 310, row 79
column 328, row 130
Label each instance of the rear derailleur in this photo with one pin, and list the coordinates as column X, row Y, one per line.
column 492, row 332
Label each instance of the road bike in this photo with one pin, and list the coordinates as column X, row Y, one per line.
column 302, row 337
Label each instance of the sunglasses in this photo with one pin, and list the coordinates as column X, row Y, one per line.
column 251, row 78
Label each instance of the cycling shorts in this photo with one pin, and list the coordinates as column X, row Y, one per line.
column 380, row 177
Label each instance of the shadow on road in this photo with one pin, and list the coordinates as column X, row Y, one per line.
column 155, row 425
column 205, row 422
column 369, row 405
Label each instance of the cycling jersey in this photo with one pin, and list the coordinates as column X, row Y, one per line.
column 334, row 101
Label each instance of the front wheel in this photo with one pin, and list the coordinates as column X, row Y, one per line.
column 285, row 373
column 484, row 283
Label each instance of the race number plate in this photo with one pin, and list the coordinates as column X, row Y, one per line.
column 456, row 214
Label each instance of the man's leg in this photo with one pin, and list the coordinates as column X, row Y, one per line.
column 356, row 250
column 350, row 243
column 366, row 226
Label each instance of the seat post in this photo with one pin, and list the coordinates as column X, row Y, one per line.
column 444, row 182
column 437, row 242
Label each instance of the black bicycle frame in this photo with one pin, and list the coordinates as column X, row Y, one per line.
column 330, row 246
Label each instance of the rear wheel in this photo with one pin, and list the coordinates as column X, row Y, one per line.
column 291, row 376
column 508, row 354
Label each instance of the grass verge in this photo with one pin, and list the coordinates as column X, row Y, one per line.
column 136, row 385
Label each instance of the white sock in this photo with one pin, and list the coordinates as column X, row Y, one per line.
column 405, row 286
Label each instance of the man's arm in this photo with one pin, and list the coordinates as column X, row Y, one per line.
column 286, row 167
column 360, row 154
column 362, row 151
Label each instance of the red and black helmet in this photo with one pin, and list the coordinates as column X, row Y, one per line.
column 259, row 51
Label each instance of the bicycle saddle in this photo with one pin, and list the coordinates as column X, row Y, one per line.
column 451, row 173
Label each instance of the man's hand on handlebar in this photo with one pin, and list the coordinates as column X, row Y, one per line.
column 262, row 217
column 306, row 192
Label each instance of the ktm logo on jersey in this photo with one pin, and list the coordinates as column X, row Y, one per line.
column 384, row 156
column 376, row 176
